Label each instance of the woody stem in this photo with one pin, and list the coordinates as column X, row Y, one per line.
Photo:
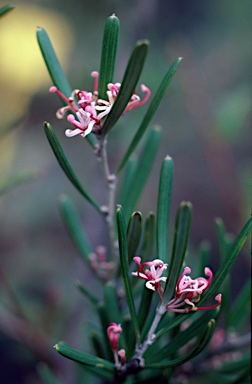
column 111, row 183
column 150, row 338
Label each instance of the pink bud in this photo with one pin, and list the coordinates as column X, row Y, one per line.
column 113, row 331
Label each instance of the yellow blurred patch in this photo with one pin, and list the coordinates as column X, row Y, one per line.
column 22, row 69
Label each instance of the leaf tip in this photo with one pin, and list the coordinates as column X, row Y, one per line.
column 168, row 157
column 143, row 42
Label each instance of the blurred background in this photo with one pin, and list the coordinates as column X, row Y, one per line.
column 206, row 121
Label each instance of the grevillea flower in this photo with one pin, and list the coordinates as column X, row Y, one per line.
column 114, row 331
column 151, row 271
column 87, row 111
column 189, row 291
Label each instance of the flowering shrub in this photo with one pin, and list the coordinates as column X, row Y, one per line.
column 147, row 329
column 134, row 324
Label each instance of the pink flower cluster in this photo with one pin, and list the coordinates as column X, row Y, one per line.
column 151, row 271
column 188, row 290
column 88, row 110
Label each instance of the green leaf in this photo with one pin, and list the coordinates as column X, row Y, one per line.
column 221, row 236
column 182, row 228
column 163, row 208
column 183, row 337
column 127, row 182
column 74, row 227
column 149, row 238
column 240, row 310
column 97, row 344
column 143, row 169
column 63, row 162
column 55, row 71
column 233, row 366
column 202, row 341
column 91, row 298
column 123, row 249
column 52, row 63
column 5, row 9
column 218, row 278
column 223, row 246
column 150, row 112
column 104, row 322
column 16, row 180
column 129, row 82
column 144, row 306
column 84, row 358
column 112, row 309
column 46, row 374
column 224, row 270
column 108, row 56
column 111, row 304
column 203, row 256
column 134, row 233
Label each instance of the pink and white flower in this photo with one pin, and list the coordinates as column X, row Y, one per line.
column 189, row 291
column 151, row 271
column 87, row 111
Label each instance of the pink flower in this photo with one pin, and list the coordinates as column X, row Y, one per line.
column 113, row 331
column 87, row 112
column 151, row 271
column 189, row 291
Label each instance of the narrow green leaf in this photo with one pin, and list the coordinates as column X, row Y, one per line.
column 144, row 306
column 233, row 366
column 91, row 298
column 203, row 256
column 127, row 182
column 5, row 9
column 143, row 169
column 101, row 373
column 224, row 270
column 16, row 180
column 182, row 228
column 218, row 279
column 123, row 249
column 104, row 322
column 201, row 343
column 113, row 312
column 74, row 227
column 108, row 56
column 97, row 344
column 223, row 246
column 134, row 233
column 55, row 71
column 63, row 162
column 149, row 238
column 150, row 113
column 52, row 63
column 163, row 208
column 46, row 374
column 111, row 304
column 84, row 358
column 221, row 234
column 240, row 310
column 129, row 82
column 183, row 337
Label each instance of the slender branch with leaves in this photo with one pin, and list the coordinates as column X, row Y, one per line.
column 154, row 316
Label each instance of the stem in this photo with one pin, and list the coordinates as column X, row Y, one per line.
column 111, row 183
column 150, row 338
